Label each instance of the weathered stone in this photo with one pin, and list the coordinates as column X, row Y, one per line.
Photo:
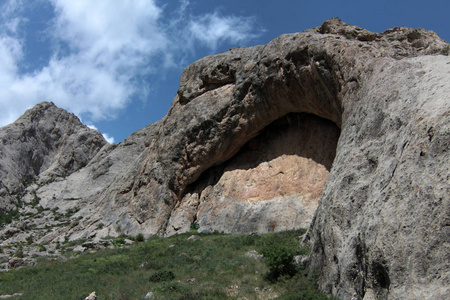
column 254, row 254
column 274, row 183
column 128, row 242
column 193, row 238
column 381, row 222
column 149, row 295
column 255, row 137
column 89, row 245
column 44, row 144
column 92, row 296
column 16, row 262
column 10, row 296
column 79, row 249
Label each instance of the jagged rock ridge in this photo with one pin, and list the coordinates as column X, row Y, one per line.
column 44, row 144
column 219, row 159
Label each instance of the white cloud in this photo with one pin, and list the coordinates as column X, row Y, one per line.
column 10, row 16
column 99, row 50
column 212, row 29
column 108, row 138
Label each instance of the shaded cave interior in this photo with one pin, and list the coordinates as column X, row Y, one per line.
column 289, row 160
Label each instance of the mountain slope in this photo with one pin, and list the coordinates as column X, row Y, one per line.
column 45, row 144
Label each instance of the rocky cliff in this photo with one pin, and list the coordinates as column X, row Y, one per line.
column 351, row 122
column 45, row 144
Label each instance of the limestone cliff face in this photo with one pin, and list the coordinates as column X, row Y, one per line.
column 273, row 183
column 45, row 144
column 351, row 122
column 381, row 230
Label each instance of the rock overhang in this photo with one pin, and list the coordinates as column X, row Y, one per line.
column 227, row 101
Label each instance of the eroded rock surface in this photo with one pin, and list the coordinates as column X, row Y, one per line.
column 255, row 136
column 45, row 144
column 273, row 183
column 381, row 230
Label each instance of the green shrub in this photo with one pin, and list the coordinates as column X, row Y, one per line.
column 301, row 286
column 194, row 227
column 29, row 182
column 6, row 218
column 19, row 253
column 163, row 275
column 118, row 241
column 36, row 199
column 446, row 50
column 71, row 211
column 29, row 240
column 206, row 294
column 139, row 237
column 172, row 288
column 280, row 260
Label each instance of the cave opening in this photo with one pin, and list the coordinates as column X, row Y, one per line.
column 273, row 183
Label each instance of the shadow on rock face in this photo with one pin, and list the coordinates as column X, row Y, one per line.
column 280, row 172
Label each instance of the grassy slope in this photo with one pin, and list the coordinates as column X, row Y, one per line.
column 212, row 267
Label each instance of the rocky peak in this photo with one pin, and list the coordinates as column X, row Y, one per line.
column 44, row 144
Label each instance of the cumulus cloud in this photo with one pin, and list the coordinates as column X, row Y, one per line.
column 100, row 50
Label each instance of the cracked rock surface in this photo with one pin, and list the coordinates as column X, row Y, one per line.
column 338, row 118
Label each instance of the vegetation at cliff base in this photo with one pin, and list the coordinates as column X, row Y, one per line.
column 204, row 266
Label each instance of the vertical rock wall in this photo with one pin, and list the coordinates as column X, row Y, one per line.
column 381, row 230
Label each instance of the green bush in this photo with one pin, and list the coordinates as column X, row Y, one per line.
column 139, row 237
column 446, row 50
column 280, row 260
column 71, row 211
column 6, row 218
column 29, row 240
column 19, row 253
column 194, row 227
column 118, row 241
column 207, row 294
column 301, row 286
column 163, row 275
column 36, row 199
column 173, row 289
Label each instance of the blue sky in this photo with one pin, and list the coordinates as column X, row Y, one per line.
column 117, row 64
